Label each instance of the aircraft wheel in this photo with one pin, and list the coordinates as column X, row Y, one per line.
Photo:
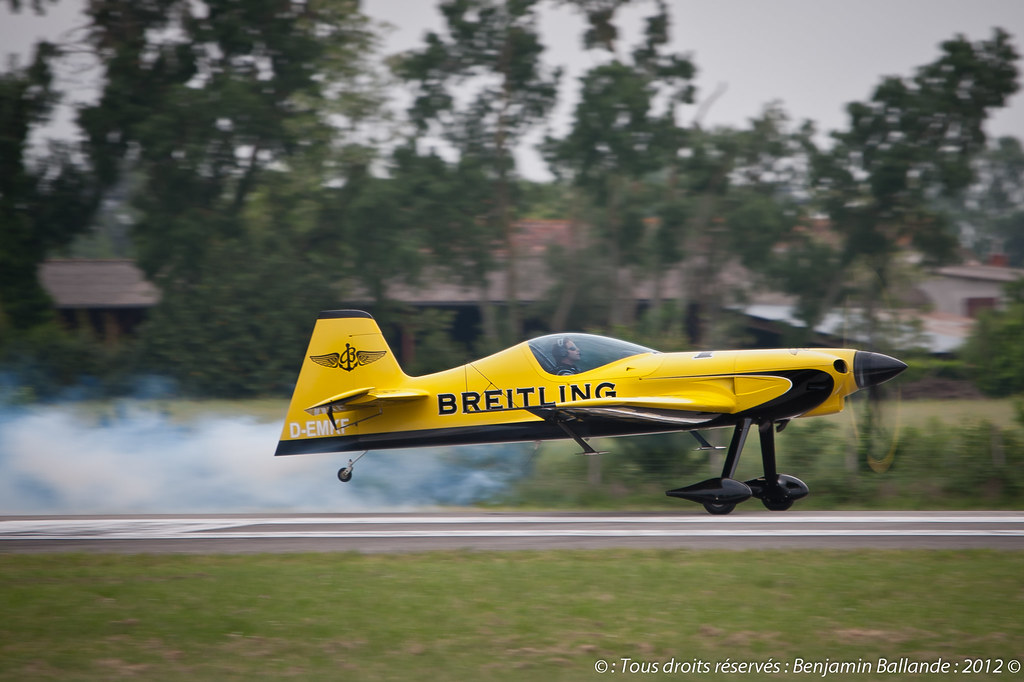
column 719, row 508
column 778, row 504
column 345, row 474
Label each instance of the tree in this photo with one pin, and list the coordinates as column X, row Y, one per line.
column 371, row 229
column 202, row 99
column 990, row 213
column 490, row 52
column 44, row 201
column 239, row 329
column 733, row 199
column 243, row 122
column 624, row 127
column 994, row 349
column 913, row 141
column 446, row 204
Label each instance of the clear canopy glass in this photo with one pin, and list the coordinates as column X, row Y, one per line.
column 595, row 351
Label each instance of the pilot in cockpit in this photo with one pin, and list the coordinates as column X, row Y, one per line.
column 566, row 354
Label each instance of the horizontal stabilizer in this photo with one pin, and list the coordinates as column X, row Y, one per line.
column 360, row 398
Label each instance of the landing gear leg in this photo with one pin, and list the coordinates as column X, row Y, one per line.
column 776, row 491
column 767, row 432
column 721, row 495
column 732, row 457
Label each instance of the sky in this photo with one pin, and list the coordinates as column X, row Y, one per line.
column 812, row 56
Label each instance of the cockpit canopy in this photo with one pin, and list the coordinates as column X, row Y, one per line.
column 595, row 351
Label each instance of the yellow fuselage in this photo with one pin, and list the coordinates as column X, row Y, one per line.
column 505, row 396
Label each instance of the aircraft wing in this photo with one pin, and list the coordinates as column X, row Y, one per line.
column 667, row 409
column 360, row 398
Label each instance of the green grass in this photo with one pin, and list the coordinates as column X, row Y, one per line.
column 497, row 615
column 1001, row 412
column 920, row 413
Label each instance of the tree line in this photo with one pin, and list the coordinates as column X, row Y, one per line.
column 250, row 158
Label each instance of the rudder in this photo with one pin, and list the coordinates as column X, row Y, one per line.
column 347, row 353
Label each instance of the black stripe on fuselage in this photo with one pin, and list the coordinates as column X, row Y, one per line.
column 811, row 387
column 470, row 435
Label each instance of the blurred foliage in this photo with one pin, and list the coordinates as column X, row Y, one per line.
column 624, row 128
column 489, row 52
column 44, row 201
column 435, row 349
column 245, row 155
column 47, row 361
column 944, row 464
column 921, row 367
column 878, row 182
column 990, row 212
column 241, row 328
column 994, row 350
column 202, row 101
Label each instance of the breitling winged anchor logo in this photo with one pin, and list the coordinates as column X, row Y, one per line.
column 348, row 359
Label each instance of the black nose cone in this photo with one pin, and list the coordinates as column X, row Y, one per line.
column 871, row 369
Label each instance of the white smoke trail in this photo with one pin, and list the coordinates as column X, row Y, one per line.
column 55, row 460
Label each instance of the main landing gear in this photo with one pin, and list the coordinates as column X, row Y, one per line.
column 776, row 491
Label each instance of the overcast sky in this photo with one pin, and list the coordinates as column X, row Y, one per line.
column 813, row 56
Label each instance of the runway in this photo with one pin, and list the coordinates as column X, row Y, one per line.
column 414, row 532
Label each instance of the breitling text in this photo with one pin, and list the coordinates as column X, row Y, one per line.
column 497, row 399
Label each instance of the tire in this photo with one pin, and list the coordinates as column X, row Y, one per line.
column 778, row 504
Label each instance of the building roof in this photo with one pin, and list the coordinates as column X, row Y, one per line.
column 938, row 333
column 988, row 273
column 119, row 283
column 88, row 283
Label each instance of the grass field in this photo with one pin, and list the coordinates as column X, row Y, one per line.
column 1001, row 412
column 521, row 615
column 501, row 616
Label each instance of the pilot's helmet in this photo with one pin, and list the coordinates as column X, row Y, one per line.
column 559, row 350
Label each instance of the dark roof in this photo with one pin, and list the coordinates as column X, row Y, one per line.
column 990, row 273
column 79, row 283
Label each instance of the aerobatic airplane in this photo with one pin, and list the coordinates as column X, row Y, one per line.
column 351, row 395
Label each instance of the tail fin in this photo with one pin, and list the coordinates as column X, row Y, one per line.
column 346, row 359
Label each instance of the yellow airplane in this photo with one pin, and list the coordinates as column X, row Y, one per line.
column 351, row 395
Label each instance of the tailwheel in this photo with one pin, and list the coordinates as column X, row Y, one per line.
column 345, row 473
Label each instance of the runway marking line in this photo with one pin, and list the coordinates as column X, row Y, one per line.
column 978, row 525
